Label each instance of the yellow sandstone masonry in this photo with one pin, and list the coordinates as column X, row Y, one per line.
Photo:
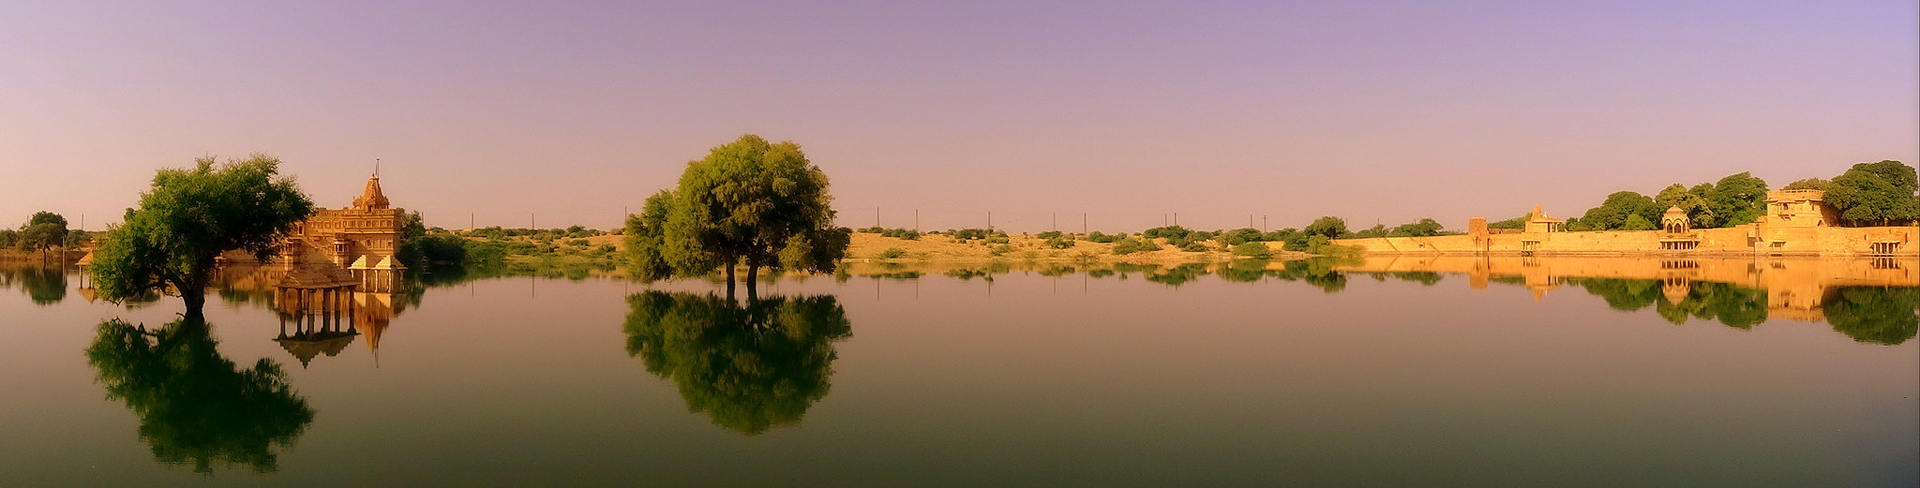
column 1798, row 223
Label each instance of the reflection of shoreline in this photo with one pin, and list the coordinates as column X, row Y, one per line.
column 1797, row 289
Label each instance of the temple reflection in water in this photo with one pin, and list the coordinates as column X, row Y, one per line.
column 320, row 312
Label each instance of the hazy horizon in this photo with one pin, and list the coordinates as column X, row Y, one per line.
column 1217, row 111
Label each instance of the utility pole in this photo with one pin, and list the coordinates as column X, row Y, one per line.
column 530, row 221
column 1176, row 219
column 1083, row 223
column 876, row 216
column 916, row 228
column 1263, row 224
column 989, row 221
column 470, row 221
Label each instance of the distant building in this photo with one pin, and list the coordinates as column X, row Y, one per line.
column 1799, row 208
column 358, row 242
column 1798, row 222
column 1538, row 221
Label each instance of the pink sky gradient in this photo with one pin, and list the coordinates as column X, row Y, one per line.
column 1371, row 111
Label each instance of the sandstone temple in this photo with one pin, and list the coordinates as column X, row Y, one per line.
column 1797, row 223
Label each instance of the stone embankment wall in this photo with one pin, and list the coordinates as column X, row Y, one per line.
column 1743, row 240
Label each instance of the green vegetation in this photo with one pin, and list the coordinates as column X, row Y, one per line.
column 190, row 217
column 421, row 247
column 1253, row 250
column 1134, row 245
column 1809, row 184
column 892, row 253
column 748, row 367
column 196, row 407
column 749, row 202
column 1881, row 193
column 1878, row 315
column 907, row 234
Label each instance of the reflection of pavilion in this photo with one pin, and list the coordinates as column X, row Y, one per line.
column 325, row 322
column 1796, row 289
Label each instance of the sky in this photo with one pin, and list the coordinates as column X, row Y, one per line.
column 568, row 113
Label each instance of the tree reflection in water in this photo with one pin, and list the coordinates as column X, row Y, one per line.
column 195, row 406
column 43, row 285
column 1875, row 314
column 749, row 367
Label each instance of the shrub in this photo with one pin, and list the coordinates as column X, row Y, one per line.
column 1059, row 242
column 1052, row 234
column 893, row 253
column 1195, row 246
column 1132, row 245
column 1254, row 250
column 1104, row 238
column 1000, row 250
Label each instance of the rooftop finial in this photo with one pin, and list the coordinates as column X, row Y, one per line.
column 376, row 167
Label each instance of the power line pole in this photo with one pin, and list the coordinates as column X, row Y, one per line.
column 1083, row 222
column 916, row 228
column 989, row 221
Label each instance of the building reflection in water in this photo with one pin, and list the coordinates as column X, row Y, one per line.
column 748, row 366
column 321, row 310
column 1875, row 300
column 1870, row 300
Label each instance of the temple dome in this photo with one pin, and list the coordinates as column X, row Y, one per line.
column 372, row 197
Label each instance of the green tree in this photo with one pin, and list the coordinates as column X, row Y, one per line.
column 747, row 367
column 1423, row 228
column 1515, row 223
column 1809, row 184
column 1738, row 199
column 195, row 406
column 748, row 203
column 1330, row 227
column 1881, row 193
column 1636, row 222
column 188, row 219
column 1613, row 212
column 1689, row 201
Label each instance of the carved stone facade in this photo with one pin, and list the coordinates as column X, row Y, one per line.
column 1798, row 222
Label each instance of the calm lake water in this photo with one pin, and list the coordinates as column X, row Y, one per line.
column 1424, row 372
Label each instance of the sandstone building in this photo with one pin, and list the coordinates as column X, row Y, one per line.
column 1798, row 222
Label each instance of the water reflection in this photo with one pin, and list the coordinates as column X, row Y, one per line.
column 44, row 286
column 749, row 367
column 196, row 407
column 1869, row 300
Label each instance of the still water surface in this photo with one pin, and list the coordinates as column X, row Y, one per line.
column 1383, row 372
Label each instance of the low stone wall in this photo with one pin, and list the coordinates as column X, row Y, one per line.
column 1743, row 240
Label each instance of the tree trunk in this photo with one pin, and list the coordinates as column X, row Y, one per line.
column 196, row 302
column 753, row 282
column 729, row 281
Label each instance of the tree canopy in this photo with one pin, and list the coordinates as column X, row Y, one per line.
column 1881, row 193
column 190, row 217
column 197, row 407
column 1613, row 214
column 748, row 367
column 749, row 202
column 1330, row 227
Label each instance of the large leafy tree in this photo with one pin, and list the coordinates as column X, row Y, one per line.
column 1699, row 212
column 197, row 407
column 1613, row 213
column 1330, row 227
column 1881, row 193
column 749, row 203
column 190, row 217
column 748, row 367
column 43, row 231
column 1738, row 199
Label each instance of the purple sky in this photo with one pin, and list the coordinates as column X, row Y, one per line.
column 1367, row 110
